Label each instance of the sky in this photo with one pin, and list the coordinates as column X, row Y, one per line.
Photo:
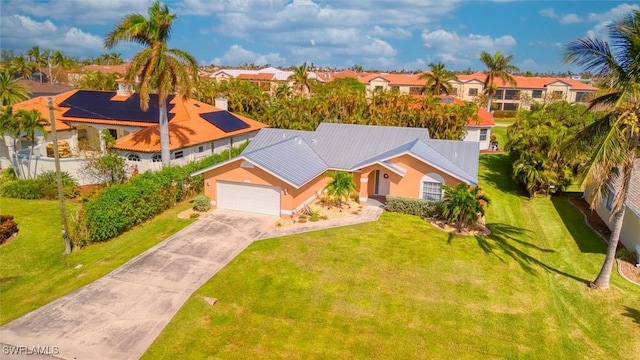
column 375, row 34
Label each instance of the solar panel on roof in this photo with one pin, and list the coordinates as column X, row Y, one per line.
column 225, row 121
column 98, row 105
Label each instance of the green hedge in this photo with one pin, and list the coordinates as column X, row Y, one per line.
column 120, row 207
column 500, row 114
column 43, row 187
column 422, row 208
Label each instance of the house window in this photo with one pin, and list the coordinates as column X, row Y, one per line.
column 483, row 134
column 510, row 106
column 178, row 155
column 414, row 90
column 133, row 157
column 156, row 158
column 557, row 95
column 499, row 94
column 608, row 199
column 431, row 187
column 431, row 191
column 581, row 96
column 378, row 88
column 473, row 92
column 511, row 94
column 200, row 148
column 395, row 88
column 536, row 94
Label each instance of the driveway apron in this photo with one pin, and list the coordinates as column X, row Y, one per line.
column 121, row 314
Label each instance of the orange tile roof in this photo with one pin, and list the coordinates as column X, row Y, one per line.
column 530, row 82
column 485, row 118
column 107, row 69
column 395, row 79
column 259, row 76
column 186, row 129
column 185, row 122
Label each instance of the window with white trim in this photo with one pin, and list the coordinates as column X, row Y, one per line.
column 608, row 199
column 178, row 155
column 473, row 92
column 483, row 134
column 431, row 187
column 156, row 158
column 133, row 157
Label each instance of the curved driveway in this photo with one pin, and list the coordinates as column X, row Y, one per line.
column 121, row 314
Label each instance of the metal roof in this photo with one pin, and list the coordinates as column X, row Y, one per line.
column 291, row 160
column 465, row 154
column 268, row 136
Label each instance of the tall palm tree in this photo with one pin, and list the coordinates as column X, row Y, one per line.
column 615, row 137
column 21, row 65
column 38, row 58
column 438, row 80
column 11, row 91
column 160, row 68
column 10, row 125
column 300, row 78
column 499, row 67
column 463, row 205
column 31, row 121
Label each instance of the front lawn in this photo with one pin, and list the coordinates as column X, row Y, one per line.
column 33, row 269
column 401, row 289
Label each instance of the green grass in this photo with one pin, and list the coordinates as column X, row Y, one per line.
column 33, row 269
column 399, row 288
column 501, row 135
column 509, row 121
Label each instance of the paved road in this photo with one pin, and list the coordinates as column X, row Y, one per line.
column 121, row 314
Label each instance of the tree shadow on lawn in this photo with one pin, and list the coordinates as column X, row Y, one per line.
column 507, row 238
column 498, row 173
column 586, row 239
column 633, row 314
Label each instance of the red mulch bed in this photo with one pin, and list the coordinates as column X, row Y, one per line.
column 627, row 268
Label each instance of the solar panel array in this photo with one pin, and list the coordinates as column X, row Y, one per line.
column 225, row 121
column 98, row 105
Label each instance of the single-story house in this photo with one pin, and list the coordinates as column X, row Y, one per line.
column 630, row 234
column 196, row 130
column 281, row 171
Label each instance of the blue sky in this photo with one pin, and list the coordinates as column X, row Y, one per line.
column 380, row 34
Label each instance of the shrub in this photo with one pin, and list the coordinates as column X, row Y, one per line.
column 22, row 189
column 504, row 114
column 8, row 227
column 45, row 186
column 201, row 203
column 422, row 208
column 194, row 215
column 49, row 182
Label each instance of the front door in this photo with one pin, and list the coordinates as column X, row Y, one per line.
column 382, row 183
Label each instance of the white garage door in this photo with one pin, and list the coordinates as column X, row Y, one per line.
column 249, row 197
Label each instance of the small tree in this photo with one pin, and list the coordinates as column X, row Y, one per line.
column 341, row 187
column 109, row 167
column 463, row 204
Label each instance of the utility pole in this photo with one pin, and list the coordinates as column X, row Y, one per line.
column 56, row 157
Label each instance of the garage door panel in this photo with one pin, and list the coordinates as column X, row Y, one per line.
column 248, row 197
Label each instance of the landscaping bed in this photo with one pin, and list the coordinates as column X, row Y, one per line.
column 325, row 211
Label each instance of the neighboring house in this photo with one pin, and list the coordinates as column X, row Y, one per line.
column 630, row 235
column 527, row 90
column 196, row 130
column 266, row 79
column 283, row 170
column 75, row 77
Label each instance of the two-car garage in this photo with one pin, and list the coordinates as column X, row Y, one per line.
column 254, row 198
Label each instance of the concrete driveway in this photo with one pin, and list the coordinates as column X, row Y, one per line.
column 121, row 314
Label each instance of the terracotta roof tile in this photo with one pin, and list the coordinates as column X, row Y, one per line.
column 530, row 82
column 260, row 76
column 485, row 118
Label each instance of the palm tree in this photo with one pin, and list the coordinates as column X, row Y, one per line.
column 60, row 61
column 37, row 58
column 300, row 78
column 159, row 67
column 437, row 80
column 21, row 65
column 463, row 204
column 499, row 67
column 614, row 138
column 341, row 187
column 10, row 125
column 11, row 91
column 31, row 121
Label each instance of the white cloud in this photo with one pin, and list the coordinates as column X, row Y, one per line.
column 605, row 19
column 22, row 32
column 77, row 11
column 548, row 12
column 393, row 33
column 238, row 55
column 570, row 19
column 449, row 47
column 541, row 43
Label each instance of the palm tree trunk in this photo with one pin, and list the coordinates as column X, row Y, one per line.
column 164, row 133
column 602, row 281
column 489, row 98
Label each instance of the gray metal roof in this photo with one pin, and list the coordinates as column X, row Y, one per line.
column 465, row 154
column 267, row 136
column 633, row 196
column 292, row 160
column 420, row 149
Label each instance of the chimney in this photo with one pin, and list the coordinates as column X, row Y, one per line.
column 221, row 103
column 123, row 89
